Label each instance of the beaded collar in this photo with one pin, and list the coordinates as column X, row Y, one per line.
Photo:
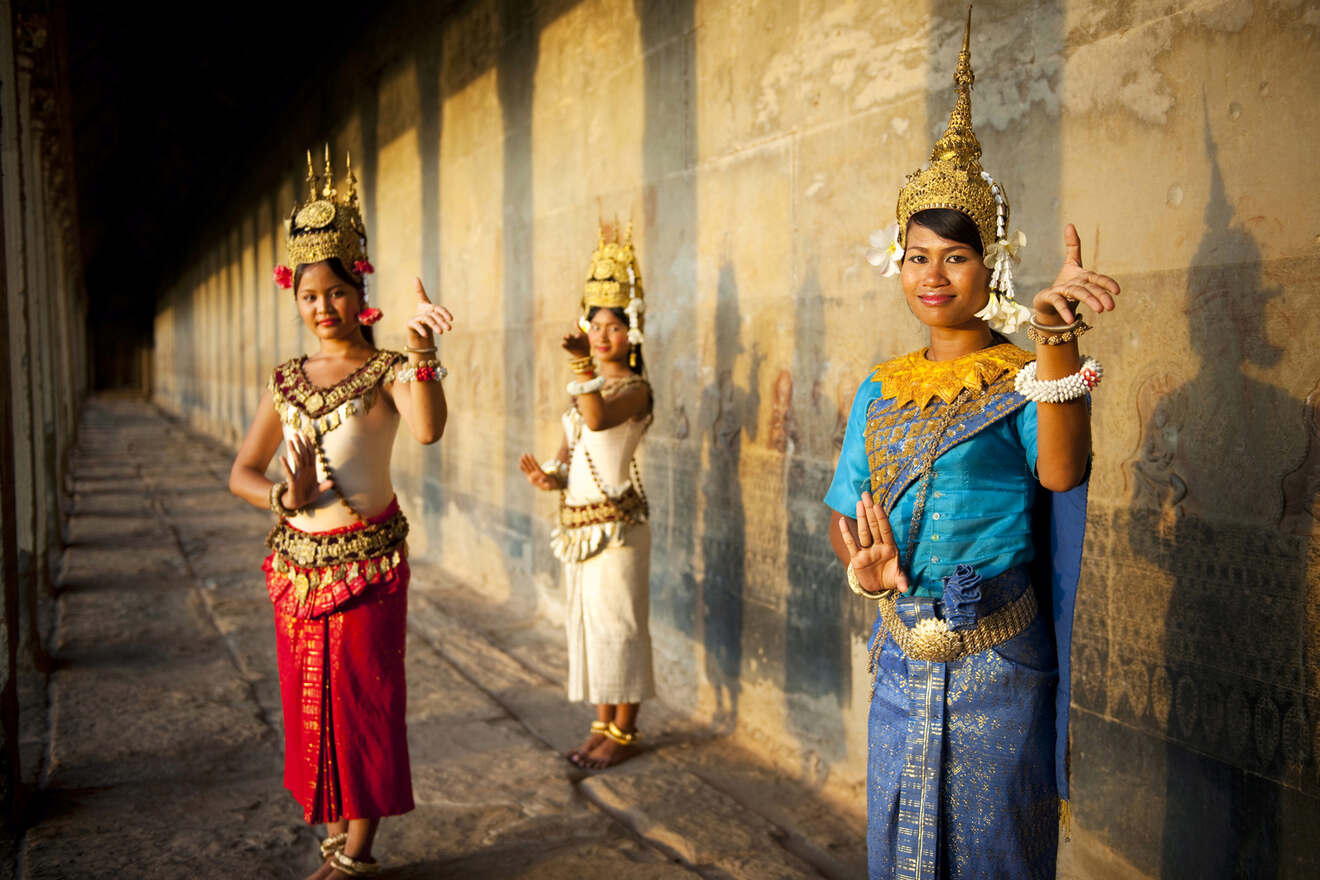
column 914, row 379
column 305, row 406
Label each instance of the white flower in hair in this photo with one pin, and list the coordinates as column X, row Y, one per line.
column 1010, row 248
column 1003, row 313
column 885, row 252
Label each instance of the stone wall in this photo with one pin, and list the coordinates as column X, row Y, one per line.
column 43, row 370
column 754, row 145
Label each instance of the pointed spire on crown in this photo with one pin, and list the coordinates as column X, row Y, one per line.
column 312, row 182
column 328, row 191
column 959, row 144
column 350, row 182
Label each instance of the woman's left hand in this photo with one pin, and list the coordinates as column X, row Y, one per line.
column 1074, row 284
column 428, row 319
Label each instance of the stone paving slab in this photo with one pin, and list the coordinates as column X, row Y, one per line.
column 164, row 753
column 678, row 812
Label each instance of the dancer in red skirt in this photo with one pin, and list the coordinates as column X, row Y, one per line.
column 337, row 573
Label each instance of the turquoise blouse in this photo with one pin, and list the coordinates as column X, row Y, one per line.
column 978, row 506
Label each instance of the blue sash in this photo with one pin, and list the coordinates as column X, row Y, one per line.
column 894, row 440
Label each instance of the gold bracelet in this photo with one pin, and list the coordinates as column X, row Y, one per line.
column 277, row 500
column 1046, row 335
column 430, row 349
column 583, row 365
column 856, row 586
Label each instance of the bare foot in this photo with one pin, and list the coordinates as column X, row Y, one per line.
column 578, row 755
column 339, row 873
column 325, row 872
column 607, row 754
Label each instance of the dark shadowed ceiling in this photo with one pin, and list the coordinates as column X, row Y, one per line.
column 172, row 107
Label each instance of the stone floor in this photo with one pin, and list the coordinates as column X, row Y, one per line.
column 163, row 753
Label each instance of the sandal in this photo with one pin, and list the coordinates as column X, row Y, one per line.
column 600, row 727
column 333, row 844
column 346, row 864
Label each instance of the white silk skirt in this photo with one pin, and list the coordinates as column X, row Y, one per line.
column 607, row 622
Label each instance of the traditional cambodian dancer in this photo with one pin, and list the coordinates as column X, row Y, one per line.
column 338, row 573
column 962, row 466
column 603, row 537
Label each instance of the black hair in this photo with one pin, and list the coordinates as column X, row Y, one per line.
column 337, row 266
column 636, row 354
column 951, row 224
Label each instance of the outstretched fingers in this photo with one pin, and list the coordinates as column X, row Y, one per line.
column 878, row 522
column 848, row 541
column 1072, row 244
column 864, row 538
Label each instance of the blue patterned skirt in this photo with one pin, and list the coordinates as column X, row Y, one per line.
column 960, row 765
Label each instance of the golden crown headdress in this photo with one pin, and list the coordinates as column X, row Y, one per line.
column 326, row 226
column 955, row 179
column 614, row 280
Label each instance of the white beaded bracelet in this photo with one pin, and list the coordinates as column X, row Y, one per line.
column 1058, row 390
column 587, row 387
column 423, row 373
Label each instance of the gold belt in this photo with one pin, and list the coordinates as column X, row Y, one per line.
column 629, row 507
column 323, row 549
column 932, row 640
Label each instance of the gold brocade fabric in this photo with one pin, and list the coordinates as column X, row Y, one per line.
column 914, row 379
column 629, row 508
column 932, row 639
column 339, row 548
column 306, row 407
column 896, row 432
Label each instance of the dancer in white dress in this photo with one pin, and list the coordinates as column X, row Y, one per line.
column 603, row 537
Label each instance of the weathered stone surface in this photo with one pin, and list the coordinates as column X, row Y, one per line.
column 164, row 755
column 673, row 809
column 754, row 160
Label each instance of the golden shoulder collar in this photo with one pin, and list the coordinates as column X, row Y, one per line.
column 913, row 378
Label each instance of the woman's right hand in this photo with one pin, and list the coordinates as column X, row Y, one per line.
column 537, row 477
column 874, row 555
column 577, row 344
column 300, row 475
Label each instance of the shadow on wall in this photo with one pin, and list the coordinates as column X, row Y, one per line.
column 727, row 412
column 429, row 60
column 516, row 78
column 817, row 660
column 672, row 449
column 1234, row 694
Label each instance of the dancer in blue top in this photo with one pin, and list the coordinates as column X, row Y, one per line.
column 959, row 505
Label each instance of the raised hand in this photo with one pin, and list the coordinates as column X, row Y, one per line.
column 537, row 477
column 576, row 343
column 874, row 555
column 300, row 473
column 427, row 319
column 1074, row 284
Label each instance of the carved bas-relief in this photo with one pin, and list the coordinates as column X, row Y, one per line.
column 1301, row 487
column 1202, row 635
column 1151, row 481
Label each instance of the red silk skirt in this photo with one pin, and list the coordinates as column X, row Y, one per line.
column 344, row 698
